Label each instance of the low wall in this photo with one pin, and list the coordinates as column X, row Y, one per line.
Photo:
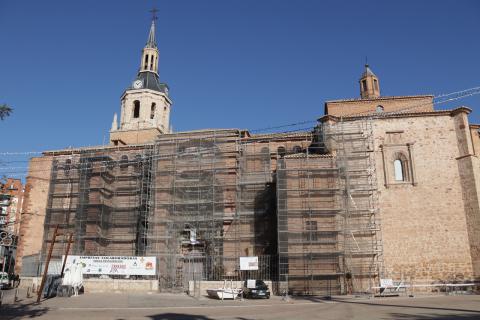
column 103, row 285
column 26, row 282
column 199, row 288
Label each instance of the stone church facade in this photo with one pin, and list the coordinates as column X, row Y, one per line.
column 382, row 187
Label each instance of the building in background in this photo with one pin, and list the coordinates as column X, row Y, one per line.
column 12, row 192
column 382, row 187
column 11, row 201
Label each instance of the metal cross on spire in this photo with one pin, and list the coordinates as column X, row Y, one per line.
column 154, row 13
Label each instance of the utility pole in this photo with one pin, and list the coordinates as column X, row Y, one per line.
column 42, row 284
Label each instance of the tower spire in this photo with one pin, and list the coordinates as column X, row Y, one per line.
column 151, row 43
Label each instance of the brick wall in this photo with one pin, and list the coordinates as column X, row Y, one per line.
column 34, row 207
column 364, row 106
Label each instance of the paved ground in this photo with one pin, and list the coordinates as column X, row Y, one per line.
column 168, row 306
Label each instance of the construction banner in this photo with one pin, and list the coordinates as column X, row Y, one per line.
column 114, row 265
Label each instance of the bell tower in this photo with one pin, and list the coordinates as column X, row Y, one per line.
column 145, row 104
column 369, row 85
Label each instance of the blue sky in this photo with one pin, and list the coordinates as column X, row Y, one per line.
column 229, row 64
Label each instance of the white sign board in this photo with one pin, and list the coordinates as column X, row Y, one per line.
column 386, row 283
column 248, row 263
column 115, row 265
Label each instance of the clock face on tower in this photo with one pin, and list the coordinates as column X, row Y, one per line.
column 138, row 84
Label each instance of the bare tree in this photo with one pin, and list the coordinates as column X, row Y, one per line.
column 5, row 111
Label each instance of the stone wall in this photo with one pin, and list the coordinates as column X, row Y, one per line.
column 128, row 137
column 103, row 285
column 424, row 218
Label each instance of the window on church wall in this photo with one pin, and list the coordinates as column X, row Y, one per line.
column 297, row 149
column 364, row 85
column 375, row 84
column 398, row 167
column 152, row 110
column 124, row 164
column 401, row 168
column 136, row 109
column 151, row 62
column 379, row 108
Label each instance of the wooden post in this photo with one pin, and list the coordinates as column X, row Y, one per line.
column 28, row 292
column 66, row 253
column 15, row 297
column 42, row 284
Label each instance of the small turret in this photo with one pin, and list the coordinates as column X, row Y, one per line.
column 369, row 85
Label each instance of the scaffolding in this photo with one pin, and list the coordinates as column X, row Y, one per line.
column 100, row 197
column 329, row 239
column 211, row 195
column 304, row 204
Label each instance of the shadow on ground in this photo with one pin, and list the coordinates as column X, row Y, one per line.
column 404, row 316
column 22, row 311
column 373, row 304
column 183, row 316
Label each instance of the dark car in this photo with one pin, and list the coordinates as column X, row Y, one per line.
column 255, row 289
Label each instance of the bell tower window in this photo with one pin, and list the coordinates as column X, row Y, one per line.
column 364, row 84
column 145, row 64
column 152, row 110
column 136, row 109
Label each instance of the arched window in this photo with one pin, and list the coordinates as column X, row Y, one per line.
column 297, row 149
column 146, row 62
column 398, row 167
column 152, row 110
column 281, row 151
column 136, row 109
column 401, row 167
column 379, row 109
column 124, row 163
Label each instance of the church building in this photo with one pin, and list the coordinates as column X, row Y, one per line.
column 381, row 188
